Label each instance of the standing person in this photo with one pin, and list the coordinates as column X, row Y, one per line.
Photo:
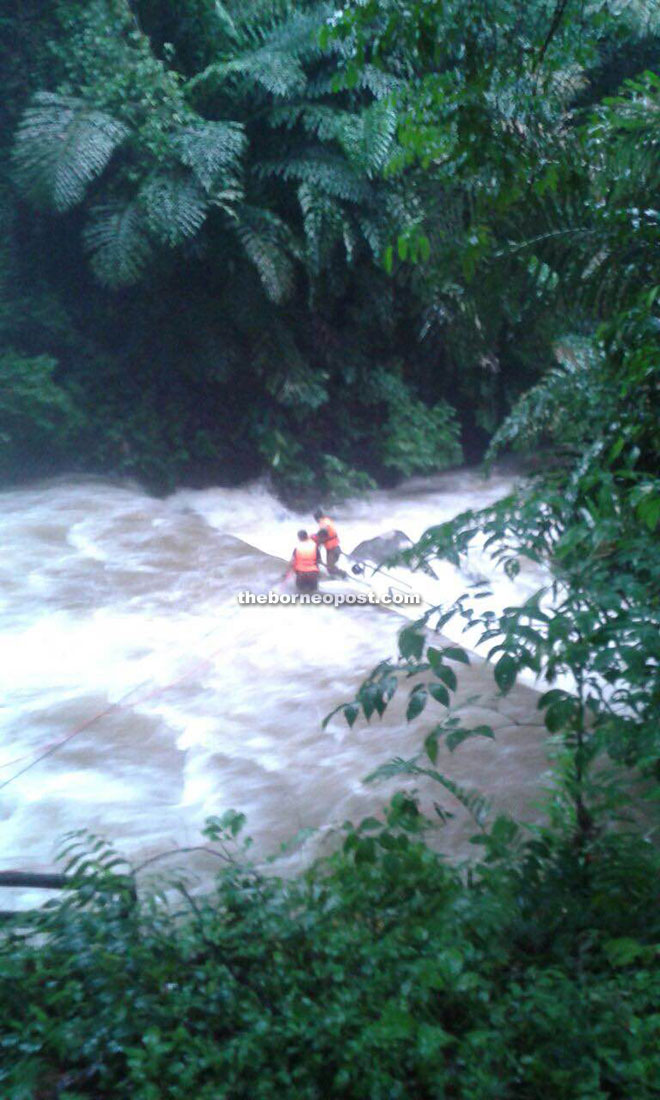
column 327, row 536
column 305, row 564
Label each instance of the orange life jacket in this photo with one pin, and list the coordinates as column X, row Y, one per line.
column 333, row 538
column 304, row 557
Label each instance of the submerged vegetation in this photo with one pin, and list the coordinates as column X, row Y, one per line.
column 333, row 244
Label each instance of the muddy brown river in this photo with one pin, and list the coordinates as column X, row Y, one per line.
column 120, row 631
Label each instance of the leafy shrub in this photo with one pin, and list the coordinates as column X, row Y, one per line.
column 342, row 481
column 37, row 417
column 417, row 439
column 380, row 972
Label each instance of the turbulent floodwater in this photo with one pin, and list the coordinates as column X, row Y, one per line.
column 122, row 608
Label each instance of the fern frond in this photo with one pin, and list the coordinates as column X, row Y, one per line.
column 367, row 138
column 213, row 151
column 301, row 388
column 117, row 238
column 270, row 50
column 297, row 34
column 380, row 84
column 175, row 207
column 471, row 800
column 374, row 234
column 269, row 245
column 287, row 374
column 350, row 241
column 565, row 406
column 62, row 145
column 321, row 169
column 323, row 122
column 277, row 74
column 225, row 23
column 324, row 223
column 641, row 17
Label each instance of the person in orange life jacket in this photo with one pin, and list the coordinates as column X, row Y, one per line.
column 305, row 564
column 327, row 536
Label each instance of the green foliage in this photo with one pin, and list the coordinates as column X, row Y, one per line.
column 458, row 188
column 267, row 53
column 564, row 410
column 341, row 481
column 418, row 439
column 213, row 149
column 36, row 414
column 62, row 146
column 599, row 620
column 210, row 149
column 380, row 971
column 116, row 237
column 298, row 480
column 529, row 223
column 268, row 245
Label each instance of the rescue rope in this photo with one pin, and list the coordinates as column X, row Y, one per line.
column 53, row 746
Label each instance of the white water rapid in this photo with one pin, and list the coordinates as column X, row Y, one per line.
column 110, row 596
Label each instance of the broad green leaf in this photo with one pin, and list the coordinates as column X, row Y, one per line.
column 505, row 673
column 416, row 703
column 447, row 675
column 453, row 653
column 411, row 643
column 439, row 693
column 351, row 712
column 458, row 736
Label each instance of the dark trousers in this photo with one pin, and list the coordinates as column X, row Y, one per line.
column 307, row 582
column 332, row 557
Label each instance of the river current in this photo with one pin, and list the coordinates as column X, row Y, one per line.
column 121, row 632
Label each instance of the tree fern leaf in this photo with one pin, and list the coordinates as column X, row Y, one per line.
column 565, row 406
column 323, row 122
column 297, row 385
column 267, row 244
column 294, row 32
column 274, row 48
column 373, row 234
column 350, row 241
column 367, row 138
column 276, row 74
column 472, row 801
column 175, row 207
column 287, row 374
column 380, row 84
column 213, row 151
column 324, row 223
column 300, row 388
column 117, row 238
column 62, row 145
column 327, row 171
column 224, row 20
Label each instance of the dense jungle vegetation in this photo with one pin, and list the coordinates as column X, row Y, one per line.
column 338, row 242
column 232, row 245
